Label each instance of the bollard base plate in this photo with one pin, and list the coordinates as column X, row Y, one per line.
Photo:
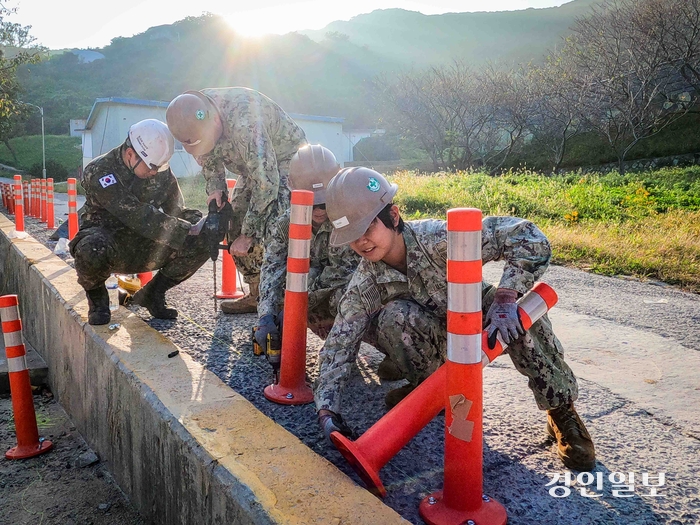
column 434, row 512
column 352, row 453
column 24, row 452
column 300, row 395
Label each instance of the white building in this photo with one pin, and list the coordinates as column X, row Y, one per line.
column 110, row 118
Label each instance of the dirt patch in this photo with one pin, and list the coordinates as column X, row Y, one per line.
column 67, row 485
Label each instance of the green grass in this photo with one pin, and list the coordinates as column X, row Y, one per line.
column 644, row 224
column 61, row 148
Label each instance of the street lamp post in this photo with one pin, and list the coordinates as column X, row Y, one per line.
column 43, row 141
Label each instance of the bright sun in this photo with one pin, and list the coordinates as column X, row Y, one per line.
column 276, row 20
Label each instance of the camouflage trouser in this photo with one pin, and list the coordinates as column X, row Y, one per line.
column 98, row 252
column 249, row 265
column 416, row 340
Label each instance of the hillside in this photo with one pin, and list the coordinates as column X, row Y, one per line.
column 309, row 72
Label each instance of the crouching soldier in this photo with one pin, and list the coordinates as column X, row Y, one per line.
column 311, row 168
column 134, row 221
column 399, row 294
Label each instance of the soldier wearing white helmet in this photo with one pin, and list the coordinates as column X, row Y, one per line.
column 311, row 168
column 241, row 130
column 134, row 221
column 397, row 301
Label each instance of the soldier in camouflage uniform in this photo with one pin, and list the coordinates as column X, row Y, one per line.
column 243, row 131
column 133, row 221
column 397, row 298
column 311, row 168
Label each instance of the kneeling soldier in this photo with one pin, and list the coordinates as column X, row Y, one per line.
column 134, row 221
column 399, row 293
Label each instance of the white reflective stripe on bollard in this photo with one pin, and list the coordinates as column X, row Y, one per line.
column 299, row 248
column 464, row 246
column 464, row 298
column 13, row 339
column 297, row 282
column 9, row 313
column 533, row 305
column 464, row 349
column 17, row 364
column 301, row 214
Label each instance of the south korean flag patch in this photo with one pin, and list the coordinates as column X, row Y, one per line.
column 108, row 180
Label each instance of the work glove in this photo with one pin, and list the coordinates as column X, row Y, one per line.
column 331, row 422
column 266, row 325
column 503, row 317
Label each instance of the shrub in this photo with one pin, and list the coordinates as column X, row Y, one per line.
column 54, row 170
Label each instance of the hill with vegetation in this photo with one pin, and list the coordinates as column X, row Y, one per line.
column 323, row 72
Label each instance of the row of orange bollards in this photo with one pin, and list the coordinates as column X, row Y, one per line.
column 34, row 198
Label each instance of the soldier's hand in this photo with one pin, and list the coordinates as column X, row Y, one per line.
column 331, row 422
column 216, row 195
column 266, row 325
column 503, row 317
column 241, row 246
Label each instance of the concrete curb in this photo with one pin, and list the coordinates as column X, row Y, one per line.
column 183, row 446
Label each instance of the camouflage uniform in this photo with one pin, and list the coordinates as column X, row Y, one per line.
column 122, row 229
column 405, row 316
column 258, row 141
column 330, row 271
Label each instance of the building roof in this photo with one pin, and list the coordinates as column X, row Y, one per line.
column 157, row 103
column 119, row 100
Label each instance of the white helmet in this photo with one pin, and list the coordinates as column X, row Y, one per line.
column 154, row 143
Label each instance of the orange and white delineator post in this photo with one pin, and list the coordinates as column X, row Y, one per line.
column 27, row 198
column 10, row 198
column 34, row 208
column 229, row 283
column 72, row 208
column 383, row 440
column 292, row 388
column 50, row 213
column 28, row 442
column 462, row 498
column 19, row 204
column 43, row 206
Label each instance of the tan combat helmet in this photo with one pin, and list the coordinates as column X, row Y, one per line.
column 311, row 168
column 192, row 119
column 355, row 196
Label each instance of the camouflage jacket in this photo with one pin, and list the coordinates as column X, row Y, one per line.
column 520, row 243
column 257, row 136
column 115, row 198
column 330, row 268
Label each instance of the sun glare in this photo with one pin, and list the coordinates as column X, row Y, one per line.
column 271, row 20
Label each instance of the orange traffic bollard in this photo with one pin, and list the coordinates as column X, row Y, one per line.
column 32, row 198
column 391, row 433
column 43, row 206
column 229, row 282
column 462, row 498
column 28, row 442
column 19, row 204
column 144, row 277
column 50, row 213
column 10, row 198
column 3, row 190
column 292, row 388
column 27, row 200
column 72, row 209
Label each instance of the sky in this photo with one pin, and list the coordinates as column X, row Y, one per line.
column 59, row 24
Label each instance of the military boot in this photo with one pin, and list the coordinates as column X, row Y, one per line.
column 152, row 297
column 98, row 301
column 245, row 305
column 389, row 371
column 574, row 444
column 393, row 397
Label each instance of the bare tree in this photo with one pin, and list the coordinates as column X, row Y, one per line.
column 632, row 93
